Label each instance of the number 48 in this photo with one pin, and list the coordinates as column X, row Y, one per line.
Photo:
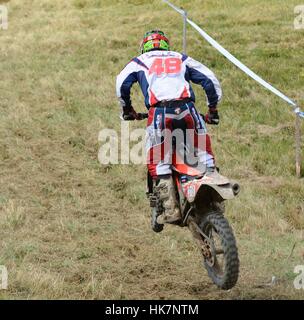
column 166, row 66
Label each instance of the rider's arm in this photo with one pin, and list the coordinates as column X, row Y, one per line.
column 200, row 74
column 124, row 82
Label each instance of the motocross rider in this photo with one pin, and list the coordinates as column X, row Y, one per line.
column 164, row 77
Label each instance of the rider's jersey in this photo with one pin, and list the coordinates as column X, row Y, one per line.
column 166, row 75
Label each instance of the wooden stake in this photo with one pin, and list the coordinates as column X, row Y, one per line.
column 298, row 147
column 185, row 33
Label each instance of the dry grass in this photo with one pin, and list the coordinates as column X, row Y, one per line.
column 71, row 228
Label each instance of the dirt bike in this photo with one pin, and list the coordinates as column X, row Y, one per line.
column 201, row 201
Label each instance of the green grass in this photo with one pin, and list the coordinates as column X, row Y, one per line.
column 71, row 228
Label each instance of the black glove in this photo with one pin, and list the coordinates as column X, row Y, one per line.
column 129, row 114
column 212, row 116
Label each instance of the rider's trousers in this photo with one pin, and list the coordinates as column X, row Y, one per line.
column 177, row 135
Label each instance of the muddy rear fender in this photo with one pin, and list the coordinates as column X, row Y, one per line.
column 194, row 189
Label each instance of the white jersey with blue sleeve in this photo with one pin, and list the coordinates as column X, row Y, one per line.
column 166, row 76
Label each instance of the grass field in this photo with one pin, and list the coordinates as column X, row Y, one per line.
column 71, row 228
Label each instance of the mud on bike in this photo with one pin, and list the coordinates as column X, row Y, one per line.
column 201, row 199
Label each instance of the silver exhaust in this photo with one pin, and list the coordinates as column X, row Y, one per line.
column 236, row 188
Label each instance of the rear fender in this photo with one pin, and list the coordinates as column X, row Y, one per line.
column 212, row 192
column 198, row 188
column 225, row 191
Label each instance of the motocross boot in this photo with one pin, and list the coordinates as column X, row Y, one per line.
column 167, row 195
column 213, row 172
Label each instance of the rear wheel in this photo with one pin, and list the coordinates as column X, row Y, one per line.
column 219, row 250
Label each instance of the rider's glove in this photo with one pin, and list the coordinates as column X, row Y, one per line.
column 212, row 116
column 128, row 114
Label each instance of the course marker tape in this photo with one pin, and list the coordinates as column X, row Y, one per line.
column 238, row 63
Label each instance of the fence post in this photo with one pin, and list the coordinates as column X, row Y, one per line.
column 185, row 15
column 298, row 146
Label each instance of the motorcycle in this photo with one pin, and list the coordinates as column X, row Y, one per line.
column 201, row 200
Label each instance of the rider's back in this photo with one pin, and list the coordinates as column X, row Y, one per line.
column 165, row 73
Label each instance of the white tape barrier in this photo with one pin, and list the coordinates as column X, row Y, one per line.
column 238, row 63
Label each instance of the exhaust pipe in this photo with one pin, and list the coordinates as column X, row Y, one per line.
column 236, row 188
